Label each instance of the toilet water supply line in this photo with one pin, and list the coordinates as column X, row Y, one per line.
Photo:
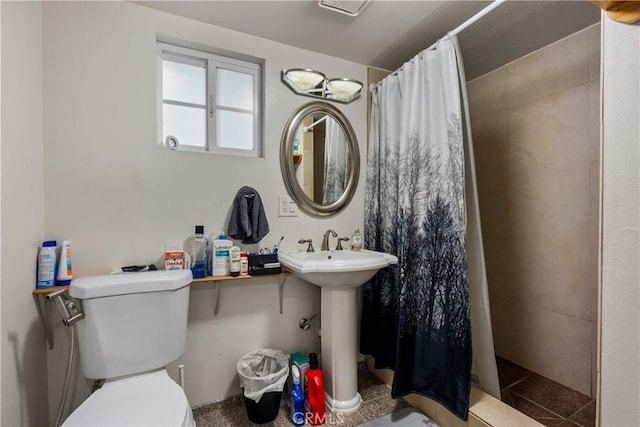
column 71, row 313
column 181, row 376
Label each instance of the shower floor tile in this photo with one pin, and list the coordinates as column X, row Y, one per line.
column 509, row 373
column 547, row 401
column 376, row 402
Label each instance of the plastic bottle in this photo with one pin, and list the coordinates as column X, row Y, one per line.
column 47, row 265
column 315, row 392
column 220, row 261
column 199, row 254
column 234, row 261
column 297, row 399
column 301, row 361
column 65, row 272
column 244, row 264
column 356, row 240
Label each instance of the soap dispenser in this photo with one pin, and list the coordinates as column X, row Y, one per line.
column 356, row 240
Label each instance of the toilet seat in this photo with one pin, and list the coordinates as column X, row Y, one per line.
column 151, row 399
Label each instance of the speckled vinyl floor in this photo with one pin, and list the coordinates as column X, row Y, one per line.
column 376, row 402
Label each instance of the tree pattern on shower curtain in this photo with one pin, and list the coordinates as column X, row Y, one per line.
column 416, row 316
column 336, row 174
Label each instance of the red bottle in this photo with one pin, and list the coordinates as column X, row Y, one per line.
column 315, row 393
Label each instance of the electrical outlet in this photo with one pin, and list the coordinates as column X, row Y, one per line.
column 286, row 206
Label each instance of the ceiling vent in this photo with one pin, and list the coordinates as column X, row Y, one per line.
column 347, row 7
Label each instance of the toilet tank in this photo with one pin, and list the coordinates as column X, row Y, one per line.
column 134, row 322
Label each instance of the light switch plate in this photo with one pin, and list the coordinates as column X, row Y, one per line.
column 286, row 206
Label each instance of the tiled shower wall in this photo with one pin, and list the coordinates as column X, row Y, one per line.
column 535, row 125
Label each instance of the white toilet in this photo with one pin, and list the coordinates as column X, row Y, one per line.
column 135, row 324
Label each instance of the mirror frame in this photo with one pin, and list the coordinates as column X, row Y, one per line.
column 288, row 168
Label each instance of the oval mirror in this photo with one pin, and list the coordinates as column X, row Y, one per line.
column 320, row 159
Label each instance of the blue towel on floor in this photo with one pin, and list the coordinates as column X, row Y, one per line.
column 248, row 221
column 409, row 417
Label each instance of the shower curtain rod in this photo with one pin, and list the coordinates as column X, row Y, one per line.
column 308, row 128
column 475, row 18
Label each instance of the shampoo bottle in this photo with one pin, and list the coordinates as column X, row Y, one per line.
column 297, row 399
column 65, row 272
column 220, row 263
column 47, row 265
column 199, row 254
column 234, row 261
column 315, row 392
column 296, row 146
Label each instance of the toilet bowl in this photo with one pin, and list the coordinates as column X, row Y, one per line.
column 134, row 325
column 152, row 399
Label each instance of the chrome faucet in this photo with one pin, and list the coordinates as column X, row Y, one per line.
column 310, row 246
column 339, row 245
column 325, row 239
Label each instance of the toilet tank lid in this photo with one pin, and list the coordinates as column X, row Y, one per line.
column 129, row 283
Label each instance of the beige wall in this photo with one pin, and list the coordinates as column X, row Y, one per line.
column 0, row 212
column 24, row 363
column 22, row 400
column 620, row 342
column 536, row 136
column 118, row 196
column 80, row 161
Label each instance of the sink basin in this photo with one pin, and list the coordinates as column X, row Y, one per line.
column 336, row 269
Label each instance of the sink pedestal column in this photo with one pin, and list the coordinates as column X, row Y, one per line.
column 340, row 349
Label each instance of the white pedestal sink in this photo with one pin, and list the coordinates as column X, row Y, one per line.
column 339, row 274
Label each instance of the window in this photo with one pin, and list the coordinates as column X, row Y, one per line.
column 210, row 103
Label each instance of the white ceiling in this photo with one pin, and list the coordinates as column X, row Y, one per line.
column 388, row 33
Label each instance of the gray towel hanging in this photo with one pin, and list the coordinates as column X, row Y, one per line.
column 248, row 221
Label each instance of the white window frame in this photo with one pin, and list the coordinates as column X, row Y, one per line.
column 212, row 62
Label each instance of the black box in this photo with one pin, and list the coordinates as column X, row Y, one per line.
column 264, row 264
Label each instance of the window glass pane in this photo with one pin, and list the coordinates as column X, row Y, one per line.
column 187, row 124
column 234, row 89
column 183, row 82
column 234, row 130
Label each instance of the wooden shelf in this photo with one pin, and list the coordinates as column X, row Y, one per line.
column 41, row 305
column 627, row 12
column 45, row 291
column 231, row 278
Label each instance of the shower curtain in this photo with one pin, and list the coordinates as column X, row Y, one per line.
column 336, row 164
column 416, row 316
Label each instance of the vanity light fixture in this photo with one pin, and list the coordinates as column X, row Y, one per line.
column 344, row 88
column 347, row 7
column 303, row 79
column 307, row 82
